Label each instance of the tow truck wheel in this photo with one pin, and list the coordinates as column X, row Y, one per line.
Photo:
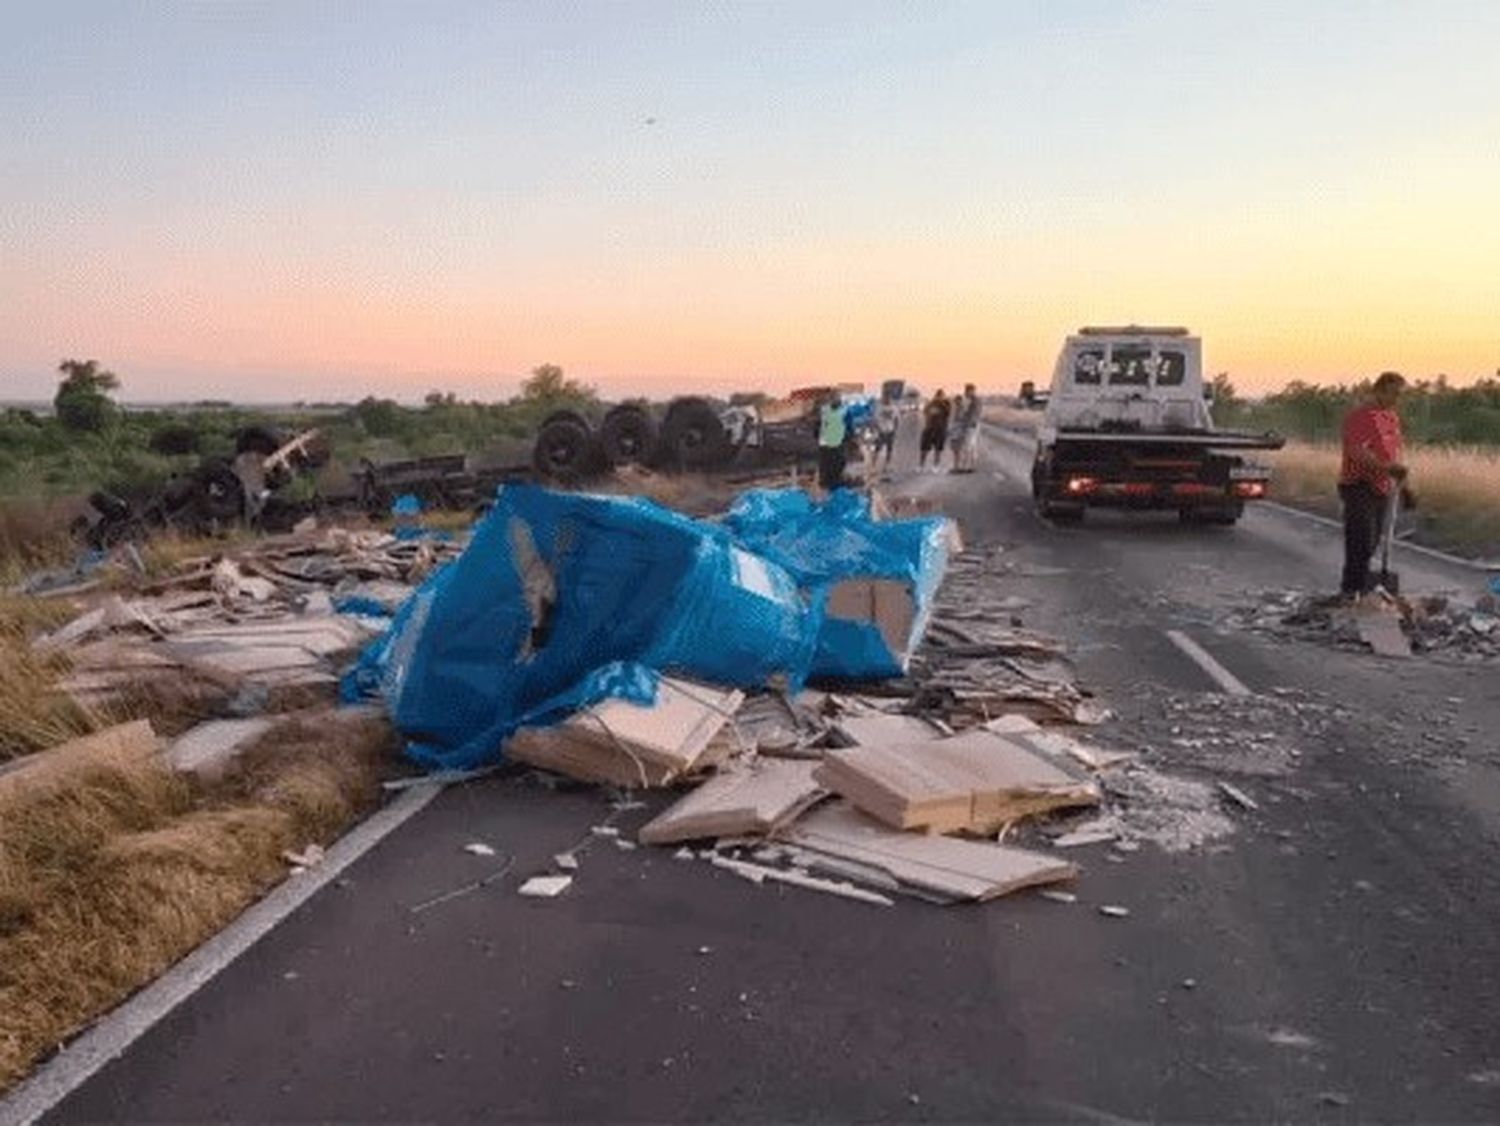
column 1060, row 512
column 1225, row 517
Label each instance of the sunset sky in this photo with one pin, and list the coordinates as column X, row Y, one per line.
column 301, row 200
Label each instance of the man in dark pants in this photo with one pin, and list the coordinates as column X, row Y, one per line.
column 1372, row 470
column 833, row 432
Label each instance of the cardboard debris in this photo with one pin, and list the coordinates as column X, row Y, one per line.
column 974, row 782
column 208, row 749
column 880, row 730
column 942, row 866
column 1380, row 629
column 756, row 798
column 629, row 744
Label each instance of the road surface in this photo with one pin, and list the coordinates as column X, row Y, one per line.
column 1333, row 959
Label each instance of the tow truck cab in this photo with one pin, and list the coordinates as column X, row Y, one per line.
column 1128, row 425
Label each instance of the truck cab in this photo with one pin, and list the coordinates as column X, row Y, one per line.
column 1128, row 425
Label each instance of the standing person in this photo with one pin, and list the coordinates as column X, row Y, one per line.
column 833, row 430
column 1372, row 470
column 886, row 420
column 965, row 436
column 935, row 417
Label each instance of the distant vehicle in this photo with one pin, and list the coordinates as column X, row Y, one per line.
column 1128, row 426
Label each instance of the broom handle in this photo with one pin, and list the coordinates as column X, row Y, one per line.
column 1392, row 509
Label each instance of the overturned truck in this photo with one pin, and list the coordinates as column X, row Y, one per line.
column 688, row 434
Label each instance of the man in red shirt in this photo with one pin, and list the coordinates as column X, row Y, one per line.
column 1372, row 470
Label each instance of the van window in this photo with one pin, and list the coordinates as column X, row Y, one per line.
column 1088, row 366
column 1171, row 369
column 1130, row 366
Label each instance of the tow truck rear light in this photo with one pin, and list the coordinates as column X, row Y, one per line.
column 1080, row 485
column 1251, row 490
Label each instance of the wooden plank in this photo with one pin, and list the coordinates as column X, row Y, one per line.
column 942, row 865
column 976, row 782
column 629, row 744
column 756, row 798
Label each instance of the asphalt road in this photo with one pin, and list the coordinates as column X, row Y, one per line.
column 1333, row 959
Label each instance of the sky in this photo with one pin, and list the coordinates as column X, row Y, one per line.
column 322, row 200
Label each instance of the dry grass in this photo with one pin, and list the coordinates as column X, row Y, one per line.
column 1459, row 490
column 34, row 533
column 108, row 880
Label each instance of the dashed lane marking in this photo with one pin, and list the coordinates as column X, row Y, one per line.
column 1206, row 661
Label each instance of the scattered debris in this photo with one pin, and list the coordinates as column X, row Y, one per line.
column 630, row 744
column 757, row 873
column 309, row 857
column 1058, row 896
column 756, row 798
column 566, row 861
column 208, row 749
column 478, row 848
column 1391, row 625
column 975, row 782
column 946, row 866
column 1238, row 796
column 1114, row 911
column 546, row 887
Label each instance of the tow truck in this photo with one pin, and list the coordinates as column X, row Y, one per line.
column 1128, row 425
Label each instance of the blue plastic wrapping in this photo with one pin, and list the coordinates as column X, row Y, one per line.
column 875, row 580
column 563, row 599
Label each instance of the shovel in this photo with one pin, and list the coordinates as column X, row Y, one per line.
column 1389, row 580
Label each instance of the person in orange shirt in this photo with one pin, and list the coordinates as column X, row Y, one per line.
column 1372, row 470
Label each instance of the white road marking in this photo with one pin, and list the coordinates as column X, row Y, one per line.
column 116, row 1032
column 1205, row 661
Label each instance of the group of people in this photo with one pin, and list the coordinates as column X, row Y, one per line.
column 951, row 424
column 954, row 424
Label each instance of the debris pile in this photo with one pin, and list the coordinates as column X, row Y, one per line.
column 1390, row 625
column 276, row 615
column 617, row 643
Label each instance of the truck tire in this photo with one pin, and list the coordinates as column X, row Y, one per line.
column 218, row 494
column 627, row 435
column 693, row 437
column 1225, row 516
column 563, row 415
column 1060, row 512
column 564, row 449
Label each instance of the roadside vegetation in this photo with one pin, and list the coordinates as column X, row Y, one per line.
column 50, row 462
column 110, row 871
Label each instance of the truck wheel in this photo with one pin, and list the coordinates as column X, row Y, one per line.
column 218, row 493
column 563, row 415
column 627, row 435
column 564, row 449
column 693, row 437
column 1226, row 517
column 1060, row 512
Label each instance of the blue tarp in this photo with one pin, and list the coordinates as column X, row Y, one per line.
column 823, row 545
column 561, row 600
